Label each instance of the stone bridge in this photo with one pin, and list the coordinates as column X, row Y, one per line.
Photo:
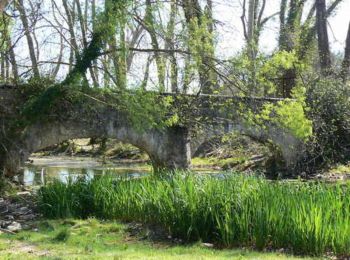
column 168, row 148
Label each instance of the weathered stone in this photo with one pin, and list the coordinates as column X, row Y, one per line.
column 26, row 227
column 208, row 245
column 168, row 148
column 23, row 210
column 14, row 227
column 9, row 217
column 27, row 217
column 23, row 193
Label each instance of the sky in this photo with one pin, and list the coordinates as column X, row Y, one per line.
column 228, row 13
column 229, row 33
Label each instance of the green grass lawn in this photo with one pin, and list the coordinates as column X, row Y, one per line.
column 92, row 239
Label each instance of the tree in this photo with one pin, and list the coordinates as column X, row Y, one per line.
column 25, row 23
column 150, row 26
column 297, row 36
column 345, row 70
column 322, row 35
column 199, row 24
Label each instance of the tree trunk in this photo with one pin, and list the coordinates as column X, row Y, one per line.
column 150, row 22
column 288, row 41
column 322, row 36
column 135, row 37
column 206, row 67
column 251, row 28
column 83, row 33
column 2, row 67
column 13, row 61
column 171, row 46
column 345, row 70
column 30, row 42
column 73, row 44
column 93, row 18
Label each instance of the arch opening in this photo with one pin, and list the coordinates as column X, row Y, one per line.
column 167, row 148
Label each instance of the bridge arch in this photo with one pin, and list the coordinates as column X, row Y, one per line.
column 288, row 145
column 167, row 148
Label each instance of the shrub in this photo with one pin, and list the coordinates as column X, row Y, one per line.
column 329, row 108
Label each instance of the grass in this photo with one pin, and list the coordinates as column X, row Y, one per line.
column 340, row 169
column 218, row 162
column 303, row 218
column 93, row 239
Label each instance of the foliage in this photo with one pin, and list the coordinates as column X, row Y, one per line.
column 288, row 114
column 271, row 72
column 144, row 109
column 232, row 210
column 147, row 110
column 268, row 71
column 329, row 103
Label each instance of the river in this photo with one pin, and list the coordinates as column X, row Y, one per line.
column 42, row 170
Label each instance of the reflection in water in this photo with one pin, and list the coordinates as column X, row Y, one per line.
column 45, row 173
column 89, row 174
column 28, row 177
column 63, row 175
column 40, row 175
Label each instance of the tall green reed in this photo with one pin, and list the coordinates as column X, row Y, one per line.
column 311, row 218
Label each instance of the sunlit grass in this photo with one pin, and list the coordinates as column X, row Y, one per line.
column 306, row 218
column 93, row 239
column 217, row 162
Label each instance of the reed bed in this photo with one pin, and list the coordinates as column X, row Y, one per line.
column 304, row 218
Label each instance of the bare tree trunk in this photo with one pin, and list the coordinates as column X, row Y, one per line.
column 60, row 57
column 13, row 61
column 322, row 35
column 25, row 23
column 106, row 78
column 187, row 75
column 282, row 33
column 171, row 46
column 122, row 56
column 146, row 73
column 73, row 44
column 149, row 20
column 135, row 37
column 251, row 28
column 2, row 65
column 345, row 70
column 7, row 67
column 93, row 18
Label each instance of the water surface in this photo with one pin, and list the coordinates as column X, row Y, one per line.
column 46, row 169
